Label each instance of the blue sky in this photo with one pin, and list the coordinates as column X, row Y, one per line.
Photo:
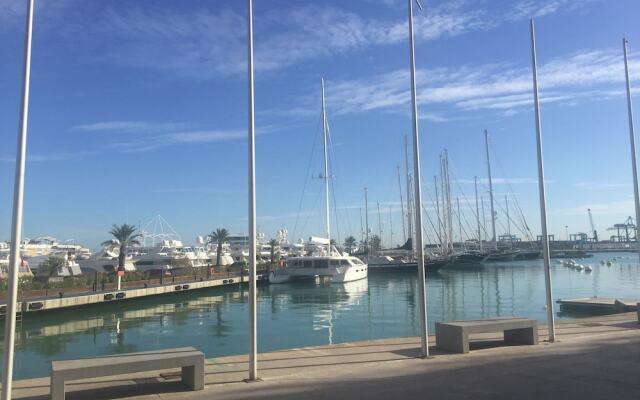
column 139, row 108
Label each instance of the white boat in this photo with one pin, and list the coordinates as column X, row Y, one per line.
column 332, row 268
column 327, row 263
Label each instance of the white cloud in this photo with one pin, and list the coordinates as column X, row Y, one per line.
column 583, row 76
column 147, row 143
column 135, row 127
column 47, row 157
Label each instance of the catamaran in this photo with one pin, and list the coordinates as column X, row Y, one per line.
column 327, row 262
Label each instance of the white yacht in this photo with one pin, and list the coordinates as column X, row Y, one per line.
column 105, row 260
column 170, row 254
column 327, row 263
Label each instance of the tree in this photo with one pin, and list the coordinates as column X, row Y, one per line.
column 52, row 266
column 219, row 236
column 350, row 244
column 374, row 243
column 124, row 236
column 273, row 243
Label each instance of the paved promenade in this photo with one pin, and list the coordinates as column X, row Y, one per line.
column 595, row 358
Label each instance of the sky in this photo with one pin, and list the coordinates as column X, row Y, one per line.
column 140, row 109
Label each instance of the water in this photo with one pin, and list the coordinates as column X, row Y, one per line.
column 305, row 314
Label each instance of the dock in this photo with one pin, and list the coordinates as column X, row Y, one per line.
column 599, row 304
column 40, row 304
column 594, row 358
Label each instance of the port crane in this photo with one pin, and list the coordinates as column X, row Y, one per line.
column 593, row 227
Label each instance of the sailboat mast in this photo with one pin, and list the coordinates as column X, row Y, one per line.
column 404, row 235
column 390, row 229
column 366, row 222
column 448, row 187
column 493, row 214
column 379, row 225
column 484, row 218
column 409, row 203
column 445, row 231
column 460, row 222
column 475, row 184
column 326, row 168
column 435, row 185
column 506, row 203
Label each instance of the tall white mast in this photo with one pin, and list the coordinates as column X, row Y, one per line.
column 543, row 200
column 404, row 235
column 418, row 192
column 506, row 203
column 475, row 183
column 493, row 213
column 326, row 168
column 16, row 222
column 253, row 331
column 409, row 202
column 390, row 229
column 632, row 138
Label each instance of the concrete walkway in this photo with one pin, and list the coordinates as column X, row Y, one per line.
column 595, row 358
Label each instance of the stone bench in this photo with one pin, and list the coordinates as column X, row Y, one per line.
column 454, row 336
column 189, row 359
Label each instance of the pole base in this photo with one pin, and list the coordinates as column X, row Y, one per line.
column 252, row 380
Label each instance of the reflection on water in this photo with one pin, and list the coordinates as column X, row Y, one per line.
column 305, row 314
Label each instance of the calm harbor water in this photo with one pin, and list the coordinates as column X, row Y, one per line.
column 305, row 314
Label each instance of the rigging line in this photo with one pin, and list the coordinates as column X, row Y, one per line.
column 517, row 203
column 307, row 174
column 333, row 165
column 314, row 207
column 466, row 200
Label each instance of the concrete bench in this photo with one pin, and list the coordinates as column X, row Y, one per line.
column 454, row 336
column 189, row 359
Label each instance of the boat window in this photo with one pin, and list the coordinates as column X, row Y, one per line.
column 321, row 263
column 307, row 263
column 356, row 261
column 344, row 262
column 334, row 263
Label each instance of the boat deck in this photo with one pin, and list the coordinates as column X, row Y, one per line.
column 602, row 304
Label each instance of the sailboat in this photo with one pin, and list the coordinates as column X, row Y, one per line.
column 328, row 263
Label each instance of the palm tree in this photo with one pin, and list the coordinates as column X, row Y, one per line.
column 123, row 236
column 350, row 243
column 218, row 236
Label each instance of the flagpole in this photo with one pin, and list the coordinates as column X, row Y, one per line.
column 253, row 342
column 16, row 222
column 632, row 138
column 543, row 200
column 418, row 193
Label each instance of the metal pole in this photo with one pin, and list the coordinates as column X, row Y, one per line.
column 16, row 222
column 444, row 206
column 253, row 332
column 326, row 168
column 493, row 213
column 475, row 183
column 418, row 193
column 506, row 203
column 449, row 207
column 543, row 201
column 632, row 138
column 404, row 235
